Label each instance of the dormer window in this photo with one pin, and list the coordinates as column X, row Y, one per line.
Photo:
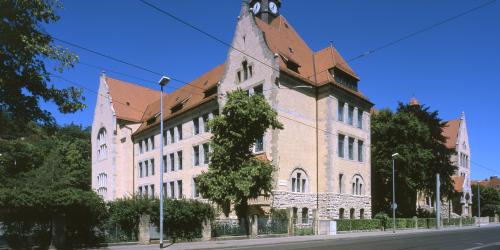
column 211, row 91
column 344, row 79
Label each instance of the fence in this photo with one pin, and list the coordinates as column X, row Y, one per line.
column 302, row 228
column 113, row 233
column 266, row 225
column 227, row 227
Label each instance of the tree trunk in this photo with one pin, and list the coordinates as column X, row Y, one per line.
column 58, row 236
column 242, row 213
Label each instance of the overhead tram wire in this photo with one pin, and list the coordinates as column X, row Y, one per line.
column 484, row 167
column 364, row 54
column 122, row 61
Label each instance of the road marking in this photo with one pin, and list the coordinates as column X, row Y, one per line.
column 484, row 246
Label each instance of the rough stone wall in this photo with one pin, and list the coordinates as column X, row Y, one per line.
column 329, row 203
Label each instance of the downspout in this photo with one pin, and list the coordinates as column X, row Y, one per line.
column 133, row 160
column 317, row 144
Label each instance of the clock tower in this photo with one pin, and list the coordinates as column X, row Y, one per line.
column 266, row 10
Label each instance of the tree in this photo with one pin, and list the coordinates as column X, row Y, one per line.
column 24, row 51
column 234, row 176
column 490, row 200
column 414, row 133
column 52, row 193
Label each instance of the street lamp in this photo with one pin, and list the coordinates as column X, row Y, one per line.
column 163, row 81
column 479, row 203
column 394, row 206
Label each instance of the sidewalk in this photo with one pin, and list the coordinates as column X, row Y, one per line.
column 214, row 244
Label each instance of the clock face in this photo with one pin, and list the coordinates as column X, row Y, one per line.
column 256, row 8
column 273, row 8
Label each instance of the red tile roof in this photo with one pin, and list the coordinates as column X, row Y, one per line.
column 189, row 96
column 283, row 40
column 450, row 132
column 130, row 100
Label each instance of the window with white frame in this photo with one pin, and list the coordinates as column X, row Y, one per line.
column 172, row 189
column 205, row 118
column 196, row 155
column 141, row 173
column 258, row 145
column 360, row 119
column 340, row 149
column 179, row 160
column 196, row 192
column 152, row 190
column 299, row 181
column 360, row 151
column 350, row 115
column 179, row 189
column 206, row 153
column 152, row 140
column 146, row 167
column 340, row 113
column 351, row 148
column 171, row 160
column 102, row 184
column 102, row 148
column 196, row 126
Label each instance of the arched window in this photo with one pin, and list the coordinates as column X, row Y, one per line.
column 362, row 213
column 305, row 215
column 102, row 148
column 245, row 72
column 351, row 213
column 102, row 182
column 341, row 213
column 357, row 185
column 299, row 181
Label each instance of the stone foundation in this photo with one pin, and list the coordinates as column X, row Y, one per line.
column 329, row 204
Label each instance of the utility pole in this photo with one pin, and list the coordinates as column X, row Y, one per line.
column 438, row 202
column 478, row 204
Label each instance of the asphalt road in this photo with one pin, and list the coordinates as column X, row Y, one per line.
column 480, row 238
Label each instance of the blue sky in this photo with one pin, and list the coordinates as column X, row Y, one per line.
column 452, row 68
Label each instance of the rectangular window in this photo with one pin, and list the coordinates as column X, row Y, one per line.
column 172, row 162
column 152, row 166
column 172, row 135
column 140, row 191
column 146, row 142
column 341, row 176
column 140, row 170
column 179, row 129
column 165, row 138
column 164, row 186
column 196, row 192
column 196, row 155
column 360, row 151
column 146, row 163
column 341, row 146
column 259, row 90
column 205, row 121
column 298, row 182
column 152, row 189
column 172, row 189
column 360, row 118
column 250, row 70
column 350, row 115
column 206, row 157
column 165, row 164
column 259, row 145
column 303, row 185
column 293, row 184
column 179, row 188
column 179, row 160
column 152, row 139
column 340, row 113
column 239, row 76
column 146, row 193
column 140, row 147
column 196, row 126
column 351, row 148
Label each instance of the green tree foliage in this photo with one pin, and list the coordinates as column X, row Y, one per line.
column 234, row 175
column 127, row 213
column 51, row 183
column 415, row 133
column 25, row 52
column 490, row 201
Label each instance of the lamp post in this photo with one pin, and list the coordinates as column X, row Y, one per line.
column 163, row 81
column 394, row 206
column 479, row 204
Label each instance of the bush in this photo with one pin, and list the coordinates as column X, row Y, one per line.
column 383, row 217
column 183, row 218
column 126, row 213
column 467, row 221
column 362, row 224
column 402, row 223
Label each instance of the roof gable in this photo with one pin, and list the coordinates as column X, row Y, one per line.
column 450, row 132
column 129, row 100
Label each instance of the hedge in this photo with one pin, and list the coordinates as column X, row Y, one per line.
column 361, row 224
